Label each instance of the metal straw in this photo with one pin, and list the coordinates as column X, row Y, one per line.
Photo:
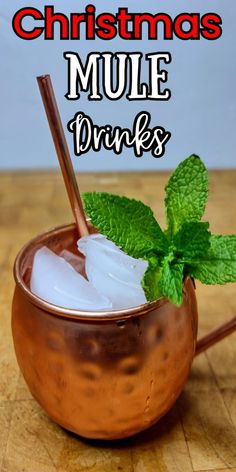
column 62, row 150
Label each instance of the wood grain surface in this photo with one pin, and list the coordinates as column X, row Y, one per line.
column 199, row 433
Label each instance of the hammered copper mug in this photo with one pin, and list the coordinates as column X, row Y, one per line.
column 103, row 375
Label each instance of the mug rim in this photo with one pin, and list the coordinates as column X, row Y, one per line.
column 72, row 313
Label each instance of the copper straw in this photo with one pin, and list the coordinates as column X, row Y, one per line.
column 62, row 150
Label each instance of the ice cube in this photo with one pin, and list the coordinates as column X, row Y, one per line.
column 56, row 281
column 78, row 262
column 112, row 272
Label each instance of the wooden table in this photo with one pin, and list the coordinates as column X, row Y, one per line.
column 199, row 433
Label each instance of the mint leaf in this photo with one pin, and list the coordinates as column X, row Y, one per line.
column 171, row 282
column 128, row 223
column 186, row 194
column 151, row 279
column 192, row 240
column 218, row 265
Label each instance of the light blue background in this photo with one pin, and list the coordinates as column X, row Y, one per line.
column 202, row 77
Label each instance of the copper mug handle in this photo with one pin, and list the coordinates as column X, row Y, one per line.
column 216, row 335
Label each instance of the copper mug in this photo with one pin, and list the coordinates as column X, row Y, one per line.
column 103, row 375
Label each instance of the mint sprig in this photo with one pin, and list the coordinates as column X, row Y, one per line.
column 151, row 280
column 218, row 265
column 127, row 222
column 171, row 282
column 185, row 248
column 186, row 194
column 192, row 240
